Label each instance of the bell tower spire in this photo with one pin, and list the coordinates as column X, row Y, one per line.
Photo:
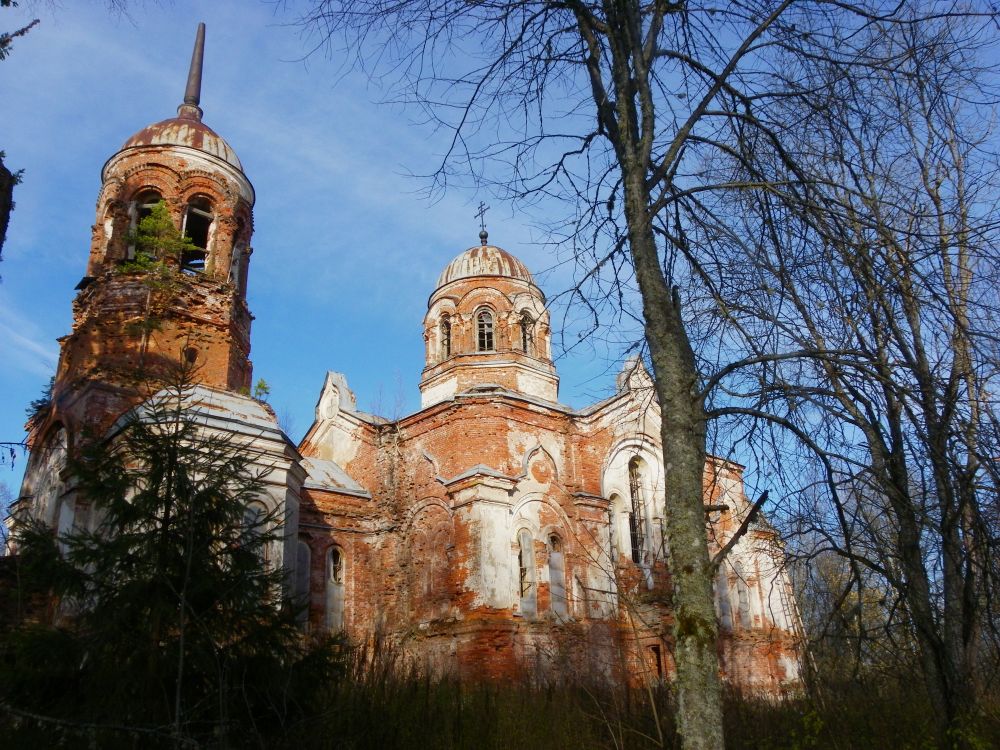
column 192, row 92
column 129, row 326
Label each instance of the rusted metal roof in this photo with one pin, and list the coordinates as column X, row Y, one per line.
column 185, row 131
column 484, row 260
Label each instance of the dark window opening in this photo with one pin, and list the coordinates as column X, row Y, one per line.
column 557, row 578
column 613, row 523
column 445, row 337
column 336, row 566
column 143, row 206
column 527, row 332
column 335, row 594
column 637, row 515
column 236, row 260
column 657, row 660
column 484, row 328
column 197, row 225
column 145, row 203
column 526, row 573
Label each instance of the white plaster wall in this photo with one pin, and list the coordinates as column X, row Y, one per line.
column 537, row 385
column 440, row 391
column 494, row 557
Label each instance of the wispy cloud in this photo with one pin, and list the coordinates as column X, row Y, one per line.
column 25, row 348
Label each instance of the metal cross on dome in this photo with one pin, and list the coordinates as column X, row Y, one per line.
column 481, row 215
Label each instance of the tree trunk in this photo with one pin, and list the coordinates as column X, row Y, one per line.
column 699, row 711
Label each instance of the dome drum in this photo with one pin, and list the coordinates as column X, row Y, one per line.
column 486, row 323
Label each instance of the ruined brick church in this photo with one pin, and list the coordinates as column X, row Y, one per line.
column 494, row 533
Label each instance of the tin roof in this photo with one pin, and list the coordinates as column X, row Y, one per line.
column 484, row 260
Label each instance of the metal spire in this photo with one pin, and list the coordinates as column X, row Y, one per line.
column 192, row 93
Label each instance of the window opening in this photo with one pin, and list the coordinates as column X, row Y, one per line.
column 636, row 517
column 742, row 596
column 445, row 337
column 335, row 590
column 527, row 332
column 484, row 327
column 144, row 204
column 197, row 223
column 613, row 512
column 557, row 577
column 254, row 519
column 654, row 651
column 336, row 565
column 722, row 602
column 526, row 574
column 239, row 251
column 302, row 558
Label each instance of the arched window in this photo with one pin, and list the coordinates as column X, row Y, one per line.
column 723, row 605
column 335, row 590
column 302, row 575
column 484, row 331
column 445, row 330
column 238, row 255
column 742, row 596
column 614, row 511
column 557, row 577
column 637, row 512
column 526, row 573
column 197, row 226
column 142, row 206
column 254, row 527
column 527, row 326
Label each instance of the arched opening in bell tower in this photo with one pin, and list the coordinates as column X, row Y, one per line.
column 197, row 227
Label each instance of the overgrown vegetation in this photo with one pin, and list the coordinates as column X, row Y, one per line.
column 158, row 247
column 160, row 614
column 39, row 407
column 9, row 179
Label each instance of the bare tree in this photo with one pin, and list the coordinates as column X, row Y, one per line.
column 877, row 280
column 8, row 179
column 646, row 119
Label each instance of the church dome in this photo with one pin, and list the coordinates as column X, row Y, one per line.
column 484, row 260
column 186, row 129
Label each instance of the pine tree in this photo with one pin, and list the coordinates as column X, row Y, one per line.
column 168, row 611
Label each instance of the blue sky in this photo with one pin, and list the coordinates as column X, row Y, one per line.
column 346, row 247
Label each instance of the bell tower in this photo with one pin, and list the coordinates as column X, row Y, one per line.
column 145, row 306
column 157, row 292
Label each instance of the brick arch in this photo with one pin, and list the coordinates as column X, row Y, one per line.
column 424, row 504
column 640, row 444
column 482, row 294
column 520, row 520
column 538, row 451
column 429, row 550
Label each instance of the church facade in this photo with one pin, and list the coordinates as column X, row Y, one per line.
column 492, row 534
